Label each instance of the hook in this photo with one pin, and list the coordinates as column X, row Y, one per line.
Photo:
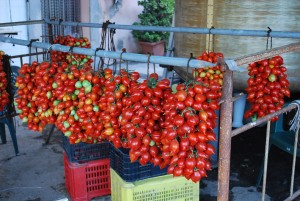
column 148, row 63
column 31, row 41
column 71, row 53
column 60, row 21
column 48, row 50
column 268, row 36
column 71, row 49
column 121, row 55
column 105, row 25
column 29, row 45
column 209, row 34
column 188, row 65
column 209, row 31
column 97, row 49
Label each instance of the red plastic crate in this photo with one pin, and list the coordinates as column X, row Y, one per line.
column 85, row 181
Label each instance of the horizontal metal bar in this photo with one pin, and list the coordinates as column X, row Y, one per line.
column 21, row 23
column 175, row 61
column 261, row 120
column 294, row 196
column 267, row 54
column 215, row 31
column 26, row 55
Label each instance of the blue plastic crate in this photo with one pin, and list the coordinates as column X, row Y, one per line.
column 82, row 152
column 130, row 172
column 4, row 111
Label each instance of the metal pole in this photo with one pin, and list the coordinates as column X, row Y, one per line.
column 225, row 137
column 267, row 54
column 173, row 61
column 216, row 31
column 266, row 161
column 294, row 162
column 295, row 195
column 261, row 120
column 26, row 55
column 21, row 23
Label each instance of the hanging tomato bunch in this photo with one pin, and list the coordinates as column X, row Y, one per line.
column 75, row 59
column 4, row 96
column 267, row 87
column 34, row 94
column 190, row 119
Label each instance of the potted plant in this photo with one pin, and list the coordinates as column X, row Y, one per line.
column 155, row 13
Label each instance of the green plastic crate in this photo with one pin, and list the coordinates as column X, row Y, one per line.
column 160, row 188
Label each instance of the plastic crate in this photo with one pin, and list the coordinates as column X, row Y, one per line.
column 85, row 181
column 83, row 152
column 160, row 188
column 4, row 111
column 120, row 162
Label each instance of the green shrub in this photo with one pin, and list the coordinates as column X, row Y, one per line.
column 155, row 13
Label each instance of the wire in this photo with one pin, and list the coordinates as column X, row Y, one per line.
column 10, row 11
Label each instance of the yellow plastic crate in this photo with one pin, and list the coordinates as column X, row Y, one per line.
column 160, row 188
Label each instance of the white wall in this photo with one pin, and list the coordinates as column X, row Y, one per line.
column 124, row 12
column 97, row 11
column 14, row 11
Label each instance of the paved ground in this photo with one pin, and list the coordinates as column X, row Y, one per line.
column 37, row 174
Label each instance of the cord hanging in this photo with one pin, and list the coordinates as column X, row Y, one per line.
column 97, row 49
column 268, row 37
column 71, row 55
column 49, row 51
column 59, row 26
column 148, row 64
column 121, row 57
column 213, row 38
column 29, row 45
column 188, row 66
column 107, row 43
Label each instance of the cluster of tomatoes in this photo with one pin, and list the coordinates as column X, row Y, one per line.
column 267, row 87
column 189, row 123
column 158, row 126
column 34, row 101
column 4, row 96
column 71, row 58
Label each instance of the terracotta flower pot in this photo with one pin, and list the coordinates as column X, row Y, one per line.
column 156, row 48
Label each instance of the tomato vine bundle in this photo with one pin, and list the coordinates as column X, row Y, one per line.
column 267, row 87
column 4, row 96
column 190, row 119
column 157, row 125
column 71, row 58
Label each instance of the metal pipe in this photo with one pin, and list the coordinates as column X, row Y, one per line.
column 266, row 161
column 295, row 195
column 26, row 55
column 225, row 137
column 294, row 162
column 174, row 61
column 267, row 54
column 215, row 31
column 261, row 120
column 21, row 23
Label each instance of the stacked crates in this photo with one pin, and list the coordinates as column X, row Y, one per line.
column 134, row 182
column 87, row 170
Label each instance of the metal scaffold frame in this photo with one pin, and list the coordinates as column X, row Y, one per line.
column 229, row 66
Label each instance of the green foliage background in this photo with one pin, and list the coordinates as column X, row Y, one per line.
column 155, row 13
